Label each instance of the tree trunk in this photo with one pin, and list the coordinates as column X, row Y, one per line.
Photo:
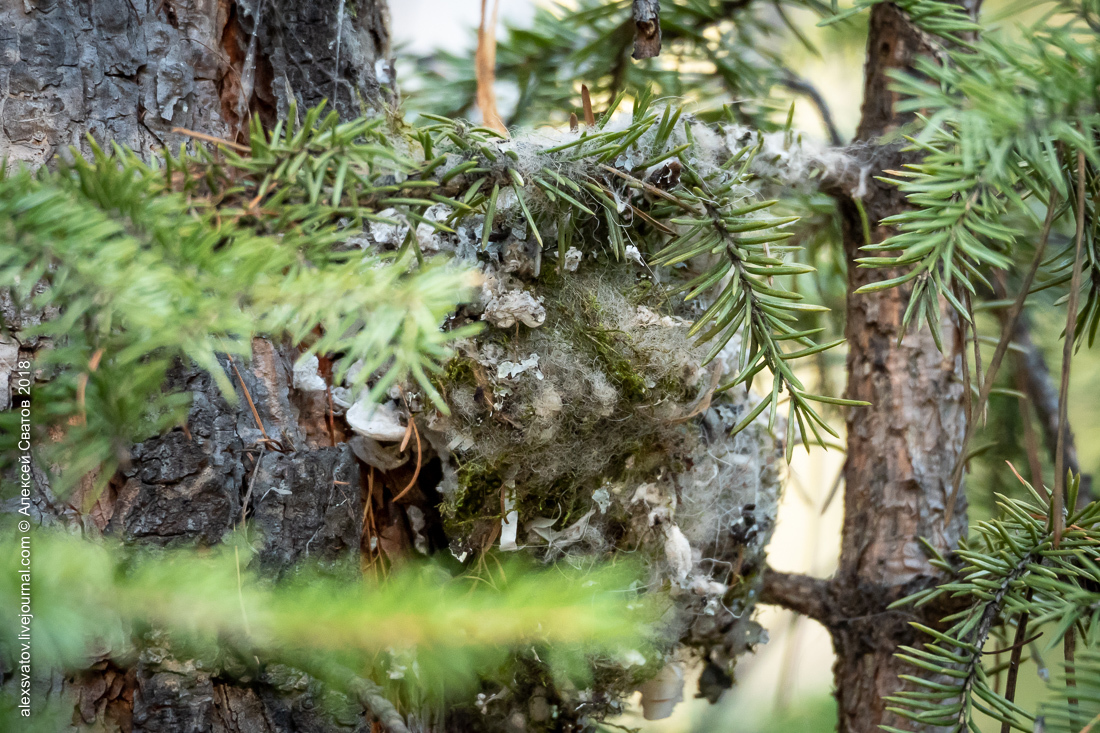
column 134, row 73
column 901, row 449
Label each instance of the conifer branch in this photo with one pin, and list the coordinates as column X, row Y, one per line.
column 1013, row 569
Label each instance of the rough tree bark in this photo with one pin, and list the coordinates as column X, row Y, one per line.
column 901, row 449
column 133, row 72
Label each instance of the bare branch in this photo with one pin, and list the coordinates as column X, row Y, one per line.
column 806, row 89
column 799, row 593
column 1014, row 661
column 1037, row 383
column 647, row 29
column 1067, row 356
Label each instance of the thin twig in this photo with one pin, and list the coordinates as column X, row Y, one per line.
column 1067, row 356
column 651, row 221
column 978, row 351
column 419, row 452
column 649, row 188
column 485, row 61
column 832, row 490
column 968, row 397
column 252, row 483
column 1035, row 380
column 247, row 396
column 1018, row 645
column 370, row 527
column 211, row 139
column 808, row 90
column 82, row 384
column 1031, row 442
column 419, row 461
column 1015, row 646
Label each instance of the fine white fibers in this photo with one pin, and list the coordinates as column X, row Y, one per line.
column 795, row 160
column 529, row 146
column 678, row 554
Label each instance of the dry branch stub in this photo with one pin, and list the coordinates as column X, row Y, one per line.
column 647, row 28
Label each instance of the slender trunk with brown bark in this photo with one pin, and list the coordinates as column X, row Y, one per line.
column 903, row 447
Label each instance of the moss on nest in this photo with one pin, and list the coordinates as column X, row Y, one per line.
column 457, row 370
column 602, row 420
column 479, row 487
column 604, row 396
